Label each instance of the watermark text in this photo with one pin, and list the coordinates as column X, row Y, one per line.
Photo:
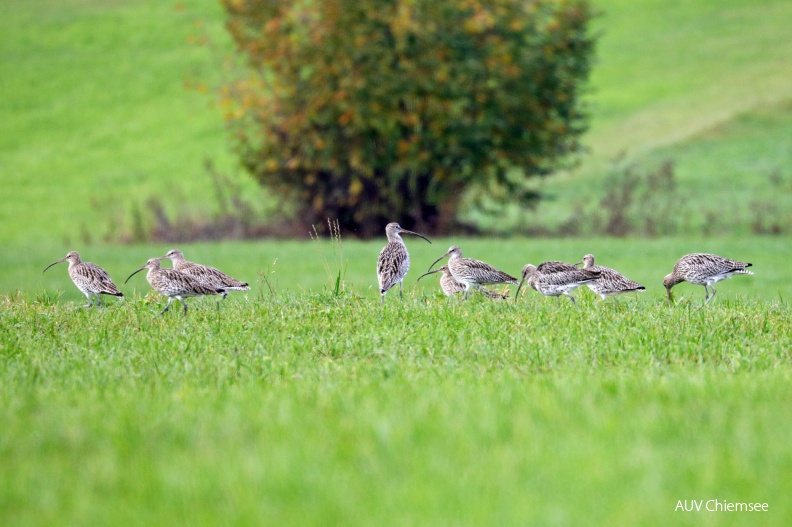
column 720, row 506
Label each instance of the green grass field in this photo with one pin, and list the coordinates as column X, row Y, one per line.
column 297, row 405
column 311, row 409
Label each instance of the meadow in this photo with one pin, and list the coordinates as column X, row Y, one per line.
column 306, row 402
column 311, row 409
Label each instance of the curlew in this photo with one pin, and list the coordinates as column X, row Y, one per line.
column 394, row 260
column 451, row 287
column 89, row 278
column 473, row 273
column 174, row 284
column 611, row 282
column 205, row 275
column 561, row 282
column 703, row 269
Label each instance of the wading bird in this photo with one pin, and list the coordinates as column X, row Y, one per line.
column 473, row 273
column 703, row 269
column 611, row 282
column 89, row 278
column 394, row 260
column 451, row 287
column 174, row 284
column 561, row 282
column 205, row 275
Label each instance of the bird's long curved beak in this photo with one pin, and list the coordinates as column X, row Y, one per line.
column 517, row 294
column 53, row 263
column 578, row 263
column 433, row 263
column 415, row 234
column 133, row 274
column 426, row 274
column 670, row 296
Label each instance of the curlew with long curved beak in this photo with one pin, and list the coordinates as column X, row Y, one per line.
column 173, row 284
column 562, row 282
column 703, row 269
column 451, row 287
column 471, row 272
column 89, row 278
column 394, row 260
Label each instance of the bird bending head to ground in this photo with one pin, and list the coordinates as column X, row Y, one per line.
column 561, row 282
column 703, row 269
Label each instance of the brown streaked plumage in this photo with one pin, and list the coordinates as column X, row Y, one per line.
column 174, row 284
column 555, row 267
column 473, row 273
column 561, row 282
column 611, row 282
column 451, row 287
column 206, row 275
column 394, row 260
column 703, row 269
column 89, row 278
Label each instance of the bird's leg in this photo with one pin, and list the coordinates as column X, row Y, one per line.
column 712, row 295
column 572, row 298
column 185, row 305
column 400, row 290
column 99, row 300
column 90, row 302
column 167, row 307
column 467, row 290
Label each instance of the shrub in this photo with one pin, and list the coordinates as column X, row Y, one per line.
column 373, row 111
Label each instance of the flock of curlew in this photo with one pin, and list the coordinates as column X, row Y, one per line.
column 184, row 280
column 460, row 275
column 548, row 278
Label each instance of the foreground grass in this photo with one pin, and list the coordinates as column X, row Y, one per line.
column 314, row 409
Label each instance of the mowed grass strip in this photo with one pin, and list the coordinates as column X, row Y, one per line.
column 315, row 409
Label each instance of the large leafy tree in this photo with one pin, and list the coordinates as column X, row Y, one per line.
column 370, row 111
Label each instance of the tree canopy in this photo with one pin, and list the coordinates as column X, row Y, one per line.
column 370, row 111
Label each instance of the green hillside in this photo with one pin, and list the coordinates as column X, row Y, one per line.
column 706, row 84
column 96, row 116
